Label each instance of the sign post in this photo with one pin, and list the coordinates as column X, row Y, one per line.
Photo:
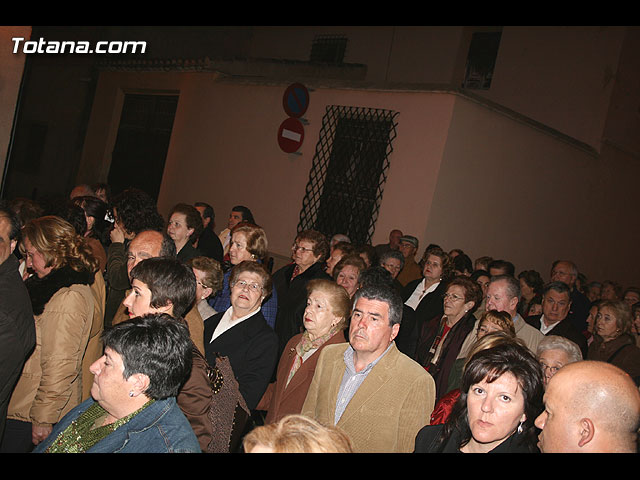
column 295, row 102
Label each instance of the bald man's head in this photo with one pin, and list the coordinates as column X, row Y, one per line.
column 149, row 244
column 590, row 407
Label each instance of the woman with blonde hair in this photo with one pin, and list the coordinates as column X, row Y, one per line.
column 297, row 434
column 324, row 319
column 63, row 304
column 494, row 321
column 613, row 342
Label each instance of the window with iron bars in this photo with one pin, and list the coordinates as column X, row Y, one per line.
column 348, row 172
column 328, row 49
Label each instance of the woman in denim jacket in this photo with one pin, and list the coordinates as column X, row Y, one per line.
column 133, row 407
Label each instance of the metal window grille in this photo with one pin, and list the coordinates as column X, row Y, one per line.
column 328, row 49
column 348, row 172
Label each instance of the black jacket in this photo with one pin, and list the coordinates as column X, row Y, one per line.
column 252, row 348
column 565, row 329
column 292, row 299
column 430, row 307
column 427, row 436
column 17, row 331
column 210, row 245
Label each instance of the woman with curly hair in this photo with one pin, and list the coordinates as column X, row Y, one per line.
column 63, row 304
column 134, row 211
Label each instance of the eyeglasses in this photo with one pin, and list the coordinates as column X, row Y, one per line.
column 201, row 284
column 251, row 286
column 452, row 296
column 552, row 370
column 391, row 266
column 295, row 248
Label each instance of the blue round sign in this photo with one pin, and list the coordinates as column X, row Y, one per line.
column 296, row 100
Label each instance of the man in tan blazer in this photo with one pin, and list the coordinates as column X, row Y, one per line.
column 377, row 395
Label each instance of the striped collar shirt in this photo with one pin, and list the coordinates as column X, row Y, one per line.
column 351, row 380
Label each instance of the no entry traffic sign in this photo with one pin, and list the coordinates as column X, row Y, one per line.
column 290, row 135
column 295, row 100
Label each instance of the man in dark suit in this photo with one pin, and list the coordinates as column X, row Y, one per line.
column 17, row 326
column 208, row 242
column 556, row 304
column 567, row 272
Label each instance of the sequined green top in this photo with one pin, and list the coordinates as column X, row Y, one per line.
column 87, row 430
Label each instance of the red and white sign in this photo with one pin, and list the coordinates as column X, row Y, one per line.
column 290, row 135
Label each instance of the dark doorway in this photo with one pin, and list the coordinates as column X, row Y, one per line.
column 143, row 140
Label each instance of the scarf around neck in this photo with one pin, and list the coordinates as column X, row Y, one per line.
column 42, row 289
column 306, row 345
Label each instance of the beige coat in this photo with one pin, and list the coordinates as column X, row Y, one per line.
column 94, row 345
column 51, row 380
column 393, row 403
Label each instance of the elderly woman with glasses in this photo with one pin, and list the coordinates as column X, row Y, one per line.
column 208, row 274
column 442, row 337
column 554, row 352
column 248, row 242
column 242, row 334
column 308, row 252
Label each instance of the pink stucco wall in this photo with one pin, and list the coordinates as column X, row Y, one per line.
column 462, row 175
column 224, row 151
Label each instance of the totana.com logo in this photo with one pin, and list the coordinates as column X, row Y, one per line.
column 67, row 46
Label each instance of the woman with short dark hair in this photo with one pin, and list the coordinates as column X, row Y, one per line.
column 133, row 409
column 441, row 338
column 501, row 396
column 184, row 227
column 531, row 285
column 424, row 296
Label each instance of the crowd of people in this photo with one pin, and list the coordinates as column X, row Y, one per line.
column 124, row 331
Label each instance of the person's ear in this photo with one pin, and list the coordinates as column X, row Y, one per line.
column 139, row 383
column 394, row 331
column 206, row 292
column 513, row 302
column 168, row 308
column 587, row 432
